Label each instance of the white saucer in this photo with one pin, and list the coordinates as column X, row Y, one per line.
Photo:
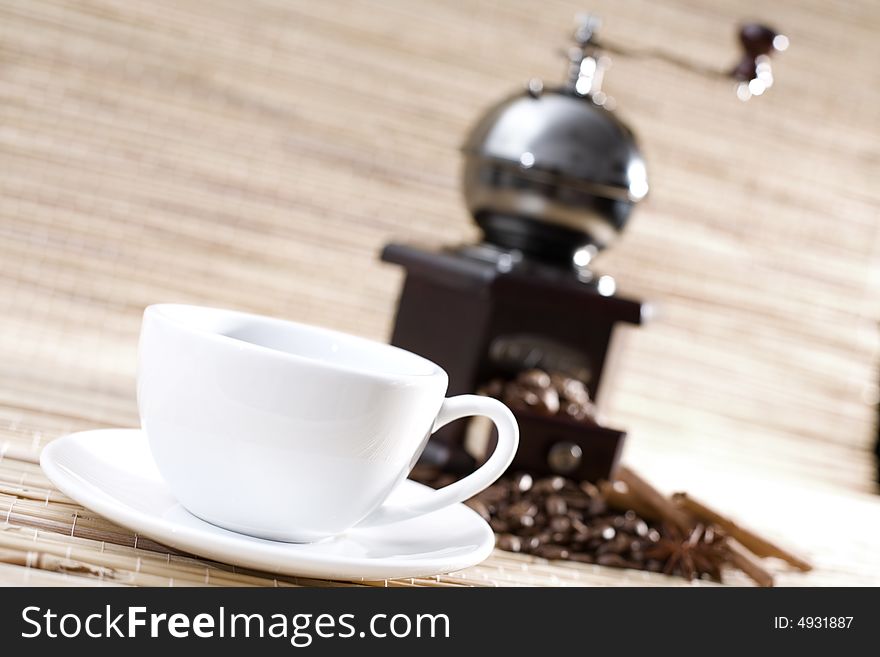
column 111, row 471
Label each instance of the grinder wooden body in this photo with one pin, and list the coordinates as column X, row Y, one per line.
column 481, row 317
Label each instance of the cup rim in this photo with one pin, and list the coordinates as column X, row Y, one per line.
column 165, row 311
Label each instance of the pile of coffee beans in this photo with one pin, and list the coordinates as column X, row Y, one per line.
column 558, row 518
column 545, row 393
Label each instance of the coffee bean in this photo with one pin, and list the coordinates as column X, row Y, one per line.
column 509, row 542
column 544, row 537
column 550, row 402
column 580, row 527
column 425, row 472
column 556, row 506
column 523, row 482
column 523, row 508
column 590, row 490
column 575, row 501
column 494, row 388
column 597, row 507
column 574, row 391
column 611, row 560
column 444, row 480
column 524, row 521
column 498, row 525
column 493, row 494
column 558, row 380
column 620, row 544
column 480, row 508
column 560, row 524
column 534, row 378
column 582, row 557
column 518, row 397
column 574, row 411
column 552, row 552
column 549, row 485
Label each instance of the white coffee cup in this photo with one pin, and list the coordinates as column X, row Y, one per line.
column 290, row 432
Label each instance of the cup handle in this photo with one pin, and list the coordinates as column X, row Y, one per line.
column 454, row 408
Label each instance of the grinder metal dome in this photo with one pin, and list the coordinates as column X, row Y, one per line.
column 549, row 171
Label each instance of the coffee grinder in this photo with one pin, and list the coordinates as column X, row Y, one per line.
column 551, row 177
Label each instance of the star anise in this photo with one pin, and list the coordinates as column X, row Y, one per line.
column 690, row 555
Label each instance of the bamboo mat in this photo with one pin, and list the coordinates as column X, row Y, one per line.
column 258, row 155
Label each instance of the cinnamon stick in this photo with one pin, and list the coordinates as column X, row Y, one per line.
column 619, row 496
column 661, row 506
column 756, row 544
column 741, row 558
